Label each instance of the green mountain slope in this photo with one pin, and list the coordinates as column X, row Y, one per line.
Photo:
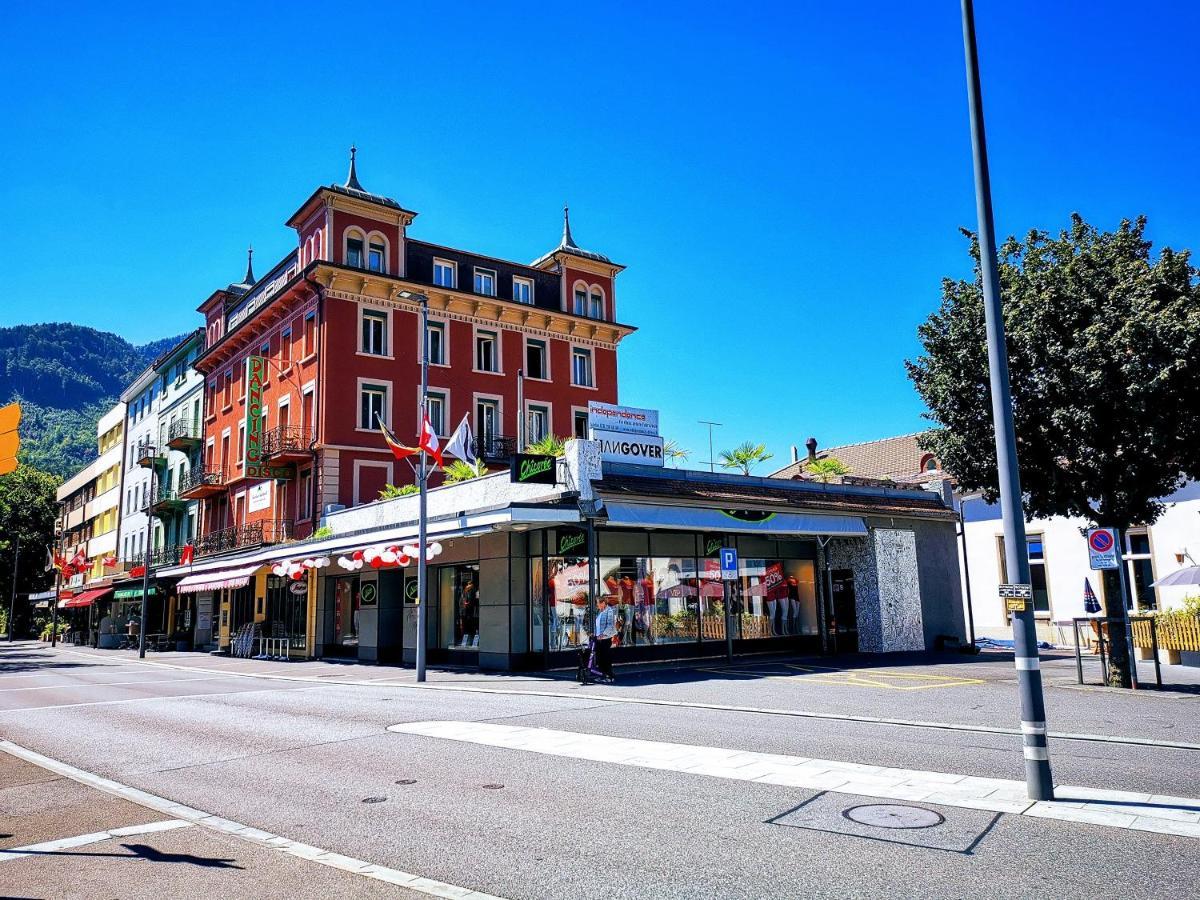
column 66, row 376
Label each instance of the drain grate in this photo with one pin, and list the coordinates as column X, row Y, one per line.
column 951, row 829
column 373, row 799
column 493, row 787
column 406, row 781
column 893, row 815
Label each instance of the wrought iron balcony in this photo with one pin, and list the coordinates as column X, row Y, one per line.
column 202, row 482
column 148, row 455
column 167, row 501
column 285, row 442
column 495, row 447
column 240, row 537
column 184, row 434
column 160, row 556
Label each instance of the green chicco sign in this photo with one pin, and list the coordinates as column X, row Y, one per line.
column 570, row 542
column 528, row 468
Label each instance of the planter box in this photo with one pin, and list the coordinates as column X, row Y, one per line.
column 1174, row 633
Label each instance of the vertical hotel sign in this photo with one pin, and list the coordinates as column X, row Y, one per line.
column 256, row 368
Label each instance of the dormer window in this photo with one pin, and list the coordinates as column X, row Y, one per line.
column 485, row 282
column 596, row 303
column 354, row 252
column 581, row 302
column 444, row 273
column 522, row 289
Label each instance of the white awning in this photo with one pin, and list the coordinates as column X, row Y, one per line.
column 696, row 518
column 218, row 580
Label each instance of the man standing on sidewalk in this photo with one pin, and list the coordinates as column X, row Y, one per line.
column 606, row 629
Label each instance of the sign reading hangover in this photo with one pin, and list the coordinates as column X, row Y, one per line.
column 629, row 448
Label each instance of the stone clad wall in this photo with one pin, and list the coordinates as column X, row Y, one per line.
column 887, row 589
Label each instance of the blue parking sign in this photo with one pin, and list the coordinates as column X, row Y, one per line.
column 729, row 564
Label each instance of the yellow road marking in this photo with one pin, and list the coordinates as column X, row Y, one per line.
column 892, row 681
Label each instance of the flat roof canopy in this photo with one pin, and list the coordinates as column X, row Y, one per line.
column 697, row 518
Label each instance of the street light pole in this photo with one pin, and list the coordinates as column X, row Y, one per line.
column 422, row 525
column 12, row 599
column 1029, row 676
column 146, row 560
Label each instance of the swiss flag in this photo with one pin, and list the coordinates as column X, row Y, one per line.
column 185, row 557
column 110, row 562
column 137, row 571
column 429, row 441
column 79, row 560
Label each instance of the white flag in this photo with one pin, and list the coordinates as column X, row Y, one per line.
column 462, row 442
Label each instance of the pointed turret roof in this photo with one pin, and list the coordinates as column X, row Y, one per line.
column 567, row 245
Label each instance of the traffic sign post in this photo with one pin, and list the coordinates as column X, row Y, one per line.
column 1104, row 552
column 729, row 574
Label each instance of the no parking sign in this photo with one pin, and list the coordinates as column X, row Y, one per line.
column 1102, row 548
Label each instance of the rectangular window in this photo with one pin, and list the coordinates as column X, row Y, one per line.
column 374, row 332
column 485, row 282
column 581, row 367
column 1140, row 570
column 285, row 347
column 227, row 397
column 375, row 257
column 437, row 412
column 444, row 273
column 310, row 334
column 354, row 253
column 580, row 308
column 487, row 422
column 535, row 359
column 522, row 289
column 437, row 343
column 372, row 407
column 580, row 424
column 241, row 447
column 487, row 359
column 305, row 489
column 537, row 423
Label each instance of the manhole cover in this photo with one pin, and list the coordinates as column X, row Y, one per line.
column 493, row 787
column 373, row 799
column 406, row 781
column 893, row 815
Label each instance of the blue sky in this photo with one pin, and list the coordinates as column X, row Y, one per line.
column 785, row 182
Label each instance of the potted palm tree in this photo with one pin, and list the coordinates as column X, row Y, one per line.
column 745, row 456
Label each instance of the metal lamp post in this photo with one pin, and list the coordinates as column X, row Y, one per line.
column 1029, row 676
column 146, row 560
column 12, row 600
column 422, row 525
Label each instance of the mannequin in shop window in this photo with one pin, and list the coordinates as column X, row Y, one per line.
column 470, row 614
column 643, row 614
column 793, row 600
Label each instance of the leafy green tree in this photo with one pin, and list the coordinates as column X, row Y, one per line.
column 674, row 453
column 745, row 456
column 28, row 509
column 825, row 470
column 1104, row 353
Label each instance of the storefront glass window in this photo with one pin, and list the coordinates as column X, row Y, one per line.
column 776, row 598
column 676, row 600
column 566, row 602
column 287, row 611
column 459, row 599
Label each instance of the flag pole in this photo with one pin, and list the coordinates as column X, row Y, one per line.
column 422, row 525
column 12, row 600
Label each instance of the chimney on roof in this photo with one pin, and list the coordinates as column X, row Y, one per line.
column 811, row 444
column 795, row 454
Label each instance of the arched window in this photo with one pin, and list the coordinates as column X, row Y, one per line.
column 355, row 249
column 377, row 252
column 929, row 463
column 316, row 239
column 596, row 302
column 579, row 302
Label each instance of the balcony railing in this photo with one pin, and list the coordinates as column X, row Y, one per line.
column 284, row 440
column 495, row 447
column 240, row 537
column 160, row 556
column 201, row 481
column 147, row 454
column 183, row 434
column 167, row 499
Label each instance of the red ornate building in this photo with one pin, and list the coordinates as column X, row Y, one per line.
column 337, row 321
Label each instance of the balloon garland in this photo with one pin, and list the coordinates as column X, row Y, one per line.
column 377, row 557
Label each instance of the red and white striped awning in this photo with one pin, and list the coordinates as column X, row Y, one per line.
column 86, row 598
column 218, row 580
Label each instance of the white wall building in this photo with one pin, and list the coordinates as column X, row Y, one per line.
column 142, row 399
column 1059, row 564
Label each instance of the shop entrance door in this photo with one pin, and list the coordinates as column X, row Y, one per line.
column 843, row 625
column 458, row 613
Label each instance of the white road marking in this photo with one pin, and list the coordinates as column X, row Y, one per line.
column 190, row 815
column 94, row 684
column 1117, row 809
column 82, row 840
column 27, row 709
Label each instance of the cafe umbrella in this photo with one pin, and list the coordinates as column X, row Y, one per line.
column 1188, row 575
column 1091, row 605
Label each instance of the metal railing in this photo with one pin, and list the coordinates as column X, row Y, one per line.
column 287, row 439
column 237, row 537
column 185, row 429
column 201, row 477
column 495, row 447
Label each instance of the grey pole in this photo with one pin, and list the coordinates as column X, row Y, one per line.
column 422, row 566
column 12, row 600
column 54, row 607
column 146, row 559
column 712, row 465
column 962, row 536
column 1127, row 601
column 522, row 424
column 1029, row 675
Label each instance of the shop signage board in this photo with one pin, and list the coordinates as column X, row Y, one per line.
column 713, row 544
column 530, row 468
column 258, row 497
column 1102, row 548
column 368, row 594
column 729, row 564
column 410, row 592
column 570, row 542
column 275, row 473
column 622, row 419
column 622, row 447
column 299, row 587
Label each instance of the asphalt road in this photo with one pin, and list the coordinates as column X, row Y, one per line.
column 313, row 762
